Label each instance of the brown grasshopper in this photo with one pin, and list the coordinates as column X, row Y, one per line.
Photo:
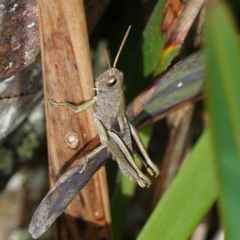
column 116, row 133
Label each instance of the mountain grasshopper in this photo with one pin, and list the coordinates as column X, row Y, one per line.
column 116, row 133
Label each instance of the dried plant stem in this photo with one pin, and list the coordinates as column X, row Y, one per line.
column 176, row 150
column 67, row 76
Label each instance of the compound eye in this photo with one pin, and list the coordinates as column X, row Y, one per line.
column 111, row 81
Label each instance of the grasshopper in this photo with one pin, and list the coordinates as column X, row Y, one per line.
column 116, row 133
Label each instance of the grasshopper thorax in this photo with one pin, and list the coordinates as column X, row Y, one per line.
column 110, row 80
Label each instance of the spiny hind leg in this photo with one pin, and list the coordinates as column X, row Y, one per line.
column 129, row 170
column 150, row 166
column 142, row 180
column 122, row 155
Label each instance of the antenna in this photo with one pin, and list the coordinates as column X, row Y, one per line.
column 121, row 46
column 107, row 57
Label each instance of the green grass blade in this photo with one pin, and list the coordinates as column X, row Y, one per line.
column 223, row 85
column 187, row 200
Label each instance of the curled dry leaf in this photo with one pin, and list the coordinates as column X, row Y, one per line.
column 65, row 189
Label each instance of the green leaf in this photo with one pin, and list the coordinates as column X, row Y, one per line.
column 186, row 201
column 147, row 55
column 153, row 40
column 223, row 61
column 166, row 58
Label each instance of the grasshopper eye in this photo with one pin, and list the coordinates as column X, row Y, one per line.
column 111, row 81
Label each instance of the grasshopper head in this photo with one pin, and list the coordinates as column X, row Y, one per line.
column 110, row 80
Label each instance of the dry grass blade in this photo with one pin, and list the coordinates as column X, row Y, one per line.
column 179, row 27
column 179, row 122
column 68, row 77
